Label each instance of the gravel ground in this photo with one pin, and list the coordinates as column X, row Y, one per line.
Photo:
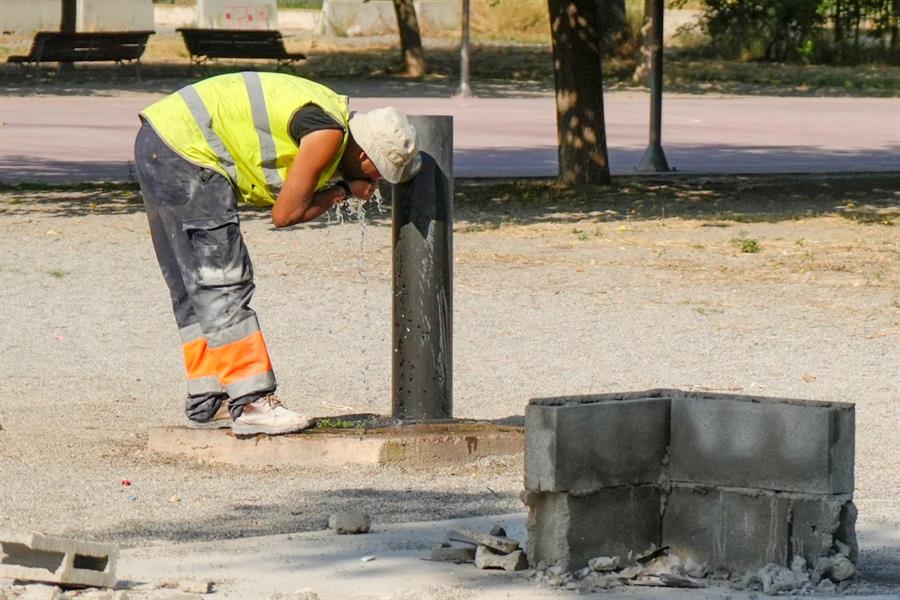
column 561, row 302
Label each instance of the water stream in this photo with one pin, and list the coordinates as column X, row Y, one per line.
column 347, row 211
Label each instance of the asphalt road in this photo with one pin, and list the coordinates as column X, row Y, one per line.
column 68, row 138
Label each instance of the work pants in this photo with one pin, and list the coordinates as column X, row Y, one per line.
column 192, row 211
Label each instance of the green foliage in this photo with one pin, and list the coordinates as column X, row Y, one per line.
column 746, row 245
column 299, row 3
column 811, row 31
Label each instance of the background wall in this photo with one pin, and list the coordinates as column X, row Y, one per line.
column 93, row 15
column 237, row 14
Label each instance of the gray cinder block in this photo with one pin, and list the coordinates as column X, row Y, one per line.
column 349, row 521
column 728, row 529
column 818, row 521
column 568, row 530
column 41, row 558
column 593, row 442
column 779, row 445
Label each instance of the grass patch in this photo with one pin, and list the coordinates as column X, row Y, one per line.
column 746, row 245
column 58, row 273
column 338, row 423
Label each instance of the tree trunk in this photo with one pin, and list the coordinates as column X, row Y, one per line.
column 67, row 24
column 645, row 41
column 838, row 30
column 581, row 128
column 410, row 39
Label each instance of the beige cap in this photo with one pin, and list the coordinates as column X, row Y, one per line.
column 389, row 140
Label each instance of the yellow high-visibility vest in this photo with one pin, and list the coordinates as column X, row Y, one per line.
column 239, row 125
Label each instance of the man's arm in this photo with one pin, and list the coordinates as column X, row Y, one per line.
column 298, row 200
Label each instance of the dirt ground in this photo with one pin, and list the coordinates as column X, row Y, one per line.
column 783, row 287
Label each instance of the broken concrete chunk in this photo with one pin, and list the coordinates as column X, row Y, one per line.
column 798, row 565
column 841, row 568
column 826, row 586
column 40, row 592
column 665, row 580
column 775, row 579
column 196, row 587
column 842, row 548
column 485, row 558
column 349, row 521
column 450, row 553
column 46, row 559
column 604, row 563
column 499, row 543
column 96, row 595
column 498, row 530
column 692, row 568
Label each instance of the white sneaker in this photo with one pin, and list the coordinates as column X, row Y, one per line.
column 268, row 416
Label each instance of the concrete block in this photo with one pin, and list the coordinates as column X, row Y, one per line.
column 46, row 559
column 595, row 442
column 766, row 443
column 485, row 558
column 426, row 445
column 566, row 530
column 732, row 530
column 349, row 521
column 450, row 553
column 817, row 522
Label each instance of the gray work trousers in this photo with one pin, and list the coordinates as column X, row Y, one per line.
column 192, row 212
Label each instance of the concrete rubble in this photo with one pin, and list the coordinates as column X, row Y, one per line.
column 349, row 522
column 488, row 551
column 728, row 483
column 486, row 558
column 42, row 591
column 448, row 552
column 659, row 567
column 34, row 557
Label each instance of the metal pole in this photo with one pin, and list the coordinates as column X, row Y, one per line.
column 422, row 369
column 654, row 159
column 464, row 90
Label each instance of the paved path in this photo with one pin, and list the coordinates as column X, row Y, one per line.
column 82, row 138
column 332, row 567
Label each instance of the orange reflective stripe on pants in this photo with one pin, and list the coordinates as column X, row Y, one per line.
column 199, row 359
column 242, row 359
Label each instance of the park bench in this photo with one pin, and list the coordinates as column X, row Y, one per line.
column 204, row 44
column 116, row 46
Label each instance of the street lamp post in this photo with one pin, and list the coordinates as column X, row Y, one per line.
column 654, row 159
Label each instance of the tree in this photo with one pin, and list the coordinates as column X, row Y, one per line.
column 581, row 128
column 410, row 39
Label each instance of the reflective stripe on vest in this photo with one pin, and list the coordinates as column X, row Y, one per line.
column 204, row 121
column 261, row 123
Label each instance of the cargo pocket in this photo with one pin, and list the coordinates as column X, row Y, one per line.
column 222, row 257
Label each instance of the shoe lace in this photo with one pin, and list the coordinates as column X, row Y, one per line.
column 273, row 401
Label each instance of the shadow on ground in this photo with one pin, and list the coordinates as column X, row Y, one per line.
column 308, row 510
column 486, row 204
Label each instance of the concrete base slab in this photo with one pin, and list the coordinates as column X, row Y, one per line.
column 331, row 566
column 423, row 444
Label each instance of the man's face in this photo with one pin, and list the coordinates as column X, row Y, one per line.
column 368, row 169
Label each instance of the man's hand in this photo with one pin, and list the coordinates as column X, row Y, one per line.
column 362, row 188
